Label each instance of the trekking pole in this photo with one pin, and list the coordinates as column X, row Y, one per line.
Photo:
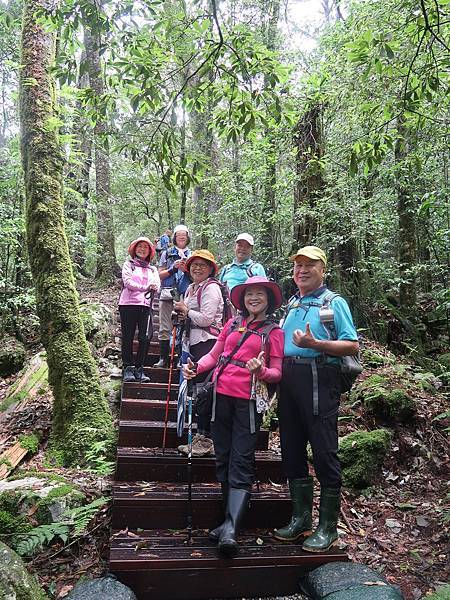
column 169, row 385
column 189, row 463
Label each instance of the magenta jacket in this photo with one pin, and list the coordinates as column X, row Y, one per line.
column 137, row 281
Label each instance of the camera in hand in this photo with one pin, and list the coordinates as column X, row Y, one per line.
column 175, row 315
column 175, row 294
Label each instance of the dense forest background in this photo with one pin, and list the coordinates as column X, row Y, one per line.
column 314, row 122
column 302, row 122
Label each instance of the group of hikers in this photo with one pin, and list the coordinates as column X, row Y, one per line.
column 245, row 356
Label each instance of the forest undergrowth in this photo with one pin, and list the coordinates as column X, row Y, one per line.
column 399, row 526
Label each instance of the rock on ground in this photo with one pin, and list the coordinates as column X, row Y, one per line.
column 106, row 587
column 15, row 581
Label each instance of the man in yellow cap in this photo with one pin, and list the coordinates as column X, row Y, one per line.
column 318, row 329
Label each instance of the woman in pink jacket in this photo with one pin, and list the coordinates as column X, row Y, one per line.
column 140, row 282
column 248, row 350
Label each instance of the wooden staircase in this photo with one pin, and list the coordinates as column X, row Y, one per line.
column 149, row 549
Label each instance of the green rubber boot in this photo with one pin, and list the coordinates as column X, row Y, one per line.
column 301, row 520
column 326, row 533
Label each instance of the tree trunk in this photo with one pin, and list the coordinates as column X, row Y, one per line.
column 406, row 210
column 268, row 245
column 80, row 413
column 77, row 210
column 106, row 264
column 309, row 183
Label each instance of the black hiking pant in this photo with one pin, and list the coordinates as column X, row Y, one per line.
column 298, row 425
column 132, row 316
column 197, row 351
column 234, row 445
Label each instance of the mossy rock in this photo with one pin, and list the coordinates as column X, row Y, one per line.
column 368, row 385
column 112, row 389
column 444, row 361
column 15, row 581
column 60, row 499
column 12, row 355
column 442, row 593
column 362, row 454
column 443, row 368
column 394, row 405
column 45, row 498
column 97, row 319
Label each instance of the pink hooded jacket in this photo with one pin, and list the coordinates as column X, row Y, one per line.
column 137, row 281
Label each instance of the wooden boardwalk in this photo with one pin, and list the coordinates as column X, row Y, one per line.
column 149, row 550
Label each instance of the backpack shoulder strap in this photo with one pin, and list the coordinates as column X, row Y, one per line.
column 224, row 271
column 203, row 287
column 248, row 270
column 328, row 297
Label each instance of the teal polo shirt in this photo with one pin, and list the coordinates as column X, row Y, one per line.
column 236, row 273
column 300, row 314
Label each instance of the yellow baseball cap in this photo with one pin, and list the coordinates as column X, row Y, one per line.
column 313, row 252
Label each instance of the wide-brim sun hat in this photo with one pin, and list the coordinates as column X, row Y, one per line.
column 312, row 252
column 206, row 255
column 134, row 243
column 237, row 293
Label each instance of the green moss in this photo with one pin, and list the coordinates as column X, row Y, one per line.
column 16, row 582
column 73, row 498
column 12, row 355
column 395, row 405
column 383, row 402
column 30, row 442
column 7, row 402
column 35, row 378
column 53, row 458
column 444, row 360
column 11, row 521
column 9, row 501
column 373, row 359
column 39, row 475
column 442, row 593
column 362, row 454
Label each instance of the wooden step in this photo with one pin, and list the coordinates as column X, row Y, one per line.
column 137, row 464
column 141, row 409
column 162, row 565
column 153, row 347
column 158, row 375
column 156, row 391
column 156, row 505
column 153, row 358
column 150, row 434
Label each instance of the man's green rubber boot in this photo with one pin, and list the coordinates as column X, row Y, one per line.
column 301, row 520
column 326, row 533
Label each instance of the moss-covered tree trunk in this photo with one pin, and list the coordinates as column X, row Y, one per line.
column 309, row 184
column 106, row 260
column 80, row 413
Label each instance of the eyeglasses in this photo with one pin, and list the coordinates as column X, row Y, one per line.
column 199, row 265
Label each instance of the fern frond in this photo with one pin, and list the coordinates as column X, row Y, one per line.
column 39, row 536
column 80, row 517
